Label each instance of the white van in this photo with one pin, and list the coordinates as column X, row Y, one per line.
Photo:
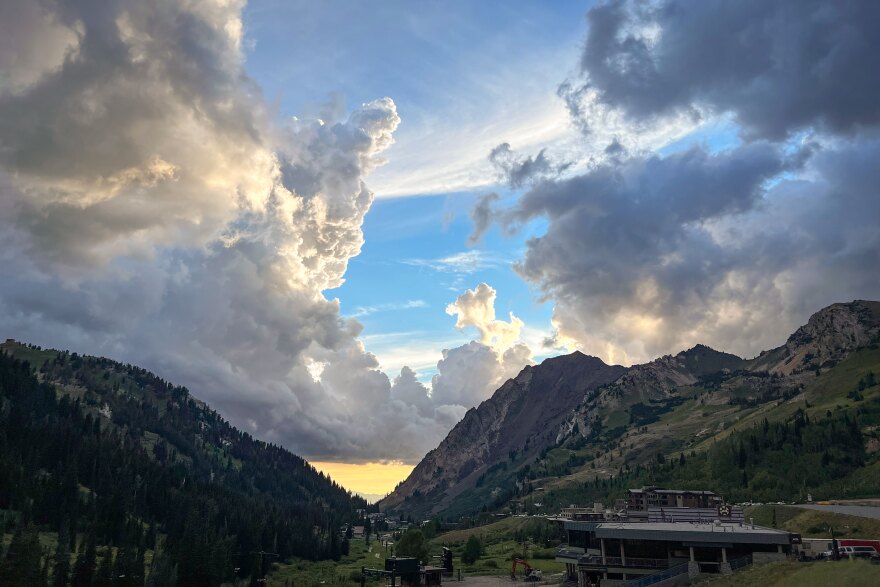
column 857, row 551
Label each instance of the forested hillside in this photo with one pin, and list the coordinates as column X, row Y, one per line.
column 112, row 459
column 826, row 455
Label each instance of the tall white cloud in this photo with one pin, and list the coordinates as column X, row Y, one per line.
column 152, row 211
column 476, row 307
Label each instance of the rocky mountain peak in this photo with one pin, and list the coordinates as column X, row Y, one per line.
column 521, row 417
column 828, row 336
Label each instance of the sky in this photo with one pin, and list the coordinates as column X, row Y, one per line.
column 343, row 224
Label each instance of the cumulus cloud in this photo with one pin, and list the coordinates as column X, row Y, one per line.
column 646, row 254
column 627, row 252
column 733, row 249
column 476, row 307
column 469, row 374
column 153, row 211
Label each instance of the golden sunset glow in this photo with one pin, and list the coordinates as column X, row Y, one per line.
column 368, row 478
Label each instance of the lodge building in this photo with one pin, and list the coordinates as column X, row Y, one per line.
column 670, row 536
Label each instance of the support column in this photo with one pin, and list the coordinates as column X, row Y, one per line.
column 602, row 546
column 779, row 548
column 622, row 554
column 693, row 566
column 725, row 566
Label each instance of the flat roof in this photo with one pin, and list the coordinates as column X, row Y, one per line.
column 583, row 525
column 671, row 491
column 691, row 532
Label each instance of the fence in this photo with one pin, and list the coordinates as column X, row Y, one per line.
column 657, row 577
column 741, row 562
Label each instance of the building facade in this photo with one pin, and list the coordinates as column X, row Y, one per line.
column 610, row 553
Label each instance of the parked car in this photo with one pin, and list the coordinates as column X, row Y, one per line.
column 858, row 551
column 850, row 552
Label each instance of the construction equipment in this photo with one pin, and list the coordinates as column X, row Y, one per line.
column 529, row 573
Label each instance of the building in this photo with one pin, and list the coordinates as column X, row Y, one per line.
column 407, row 570
column 609, row 553
column 595, row 513
column 639, row 500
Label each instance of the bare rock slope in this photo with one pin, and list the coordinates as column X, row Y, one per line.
column 523, row 415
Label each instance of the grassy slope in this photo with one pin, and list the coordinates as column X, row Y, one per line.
column 499, row 547
column 813, row 523
column 304, row 573
column 858, row 573
column 498, row 542
column 697, row 424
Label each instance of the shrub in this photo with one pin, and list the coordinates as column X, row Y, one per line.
column 412, row 543
column 472, row 550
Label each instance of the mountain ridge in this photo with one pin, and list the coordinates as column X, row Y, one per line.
column 504, row 422
column 111, row 453
column 624, row 412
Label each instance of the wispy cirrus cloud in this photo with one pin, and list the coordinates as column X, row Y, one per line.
column 362, row 311
column 465, row 262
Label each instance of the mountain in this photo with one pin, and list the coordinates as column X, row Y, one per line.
column 109, row 455
column 632, row 418
column 827, row 338
column 521, row 417
column 650, row 389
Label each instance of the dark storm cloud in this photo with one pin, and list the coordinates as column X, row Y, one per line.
column 518, row 171
column 648, row 254
column 777, row 66
column 482, row 215
column 655, row 254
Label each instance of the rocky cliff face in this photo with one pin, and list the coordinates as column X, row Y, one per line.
column 651, row 383
column 828, row 337
column 523, row 415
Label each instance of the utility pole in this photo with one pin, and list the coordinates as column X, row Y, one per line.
column 835, row 549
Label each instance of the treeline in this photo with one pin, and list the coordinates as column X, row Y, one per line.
column 785, row 460
column 782, row 460
column 131, row 465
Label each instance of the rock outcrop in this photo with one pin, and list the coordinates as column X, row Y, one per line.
column 522, row 416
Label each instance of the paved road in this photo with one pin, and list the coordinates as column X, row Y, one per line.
column 864, row 511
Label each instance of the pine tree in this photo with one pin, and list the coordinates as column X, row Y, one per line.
column 162, row 571
column 61, row 570
column 86, row 564
column 21, row 567
column 104, row 577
